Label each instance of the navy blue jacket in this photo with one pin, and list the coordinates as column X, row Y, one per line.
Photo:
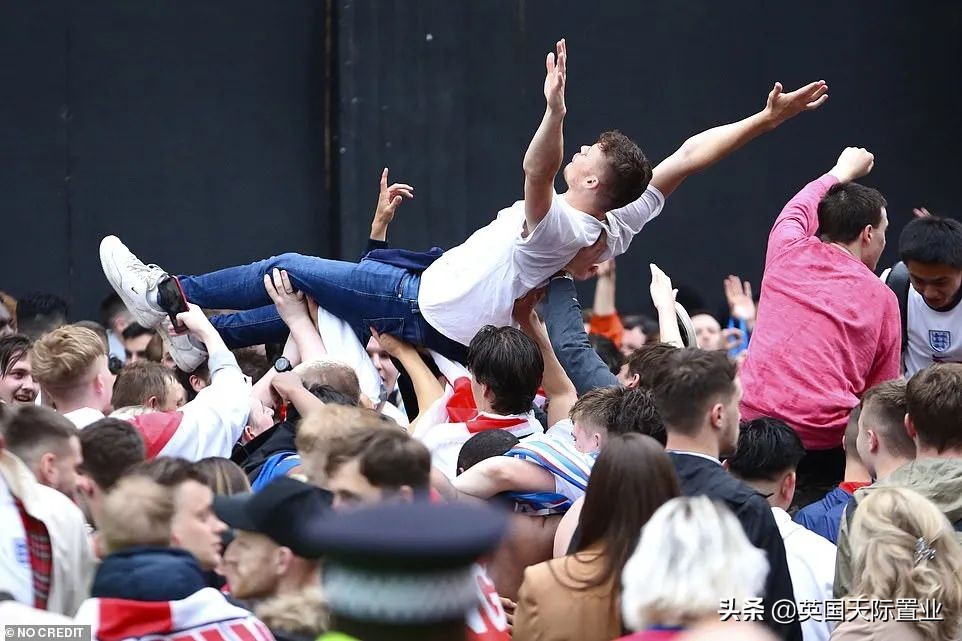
column 824, row 516
column 148, row 574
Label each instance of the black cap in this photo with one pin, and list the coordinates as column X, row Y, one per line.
column 405, row 562
column 282, row 510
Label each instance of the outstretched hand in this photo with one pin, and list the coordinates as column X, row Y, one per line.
column 782, row 106
column 389, row 199
column 741, row 304
column 554, row 82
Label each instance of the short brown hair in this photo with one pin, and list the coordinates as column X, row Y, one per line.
column 65, row 357
column 169, row 471
column 620, row 411
column 318, row 429
column 110, row 448
column 883, row 411
column 137, row 512
column 629, row 170
column 139, row 381
column 933, row 401
column 336, row 375
column 691, row 381
column 387, row 458
column 646, row 362
column 31, row 431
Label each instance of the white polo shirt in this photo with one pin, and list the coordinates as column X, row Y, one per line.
column 476, row 283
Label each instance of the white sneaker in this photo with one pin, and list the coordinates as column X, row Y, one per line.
column 134, row 282
column 187, row 352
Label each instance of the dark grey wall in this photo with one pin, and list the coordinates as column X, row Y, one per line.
column 193, row 130
column 448, row 95
column 206, row 133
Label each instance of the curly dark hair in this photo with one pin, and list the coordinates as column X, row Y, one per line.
column 630, row 169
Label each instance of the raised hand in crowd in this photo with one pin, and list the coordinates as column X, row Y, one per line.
column 921, row 212
column 561, row 392
column 782, row 106
column 427, row 388
column 199, row 327
column 293, row 308
column 741, row 304
column 852, row 164
column 388, row 200
column 663, row 297
column 556, row 77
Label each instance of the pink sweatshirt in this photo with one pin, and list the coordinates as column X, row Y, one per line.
column 827, row 330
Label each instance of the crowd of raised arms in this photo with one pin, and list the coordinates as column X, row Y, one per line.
column 445, row 446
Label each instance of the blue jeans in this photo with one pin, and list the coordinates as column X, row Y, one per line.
column 364, row 295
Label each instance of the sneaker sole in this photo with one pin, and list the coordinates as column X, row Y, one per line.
column 186, row 360
column 149, row 320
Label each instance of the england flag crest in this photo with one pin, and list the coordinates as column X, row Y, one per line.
column 940, row 339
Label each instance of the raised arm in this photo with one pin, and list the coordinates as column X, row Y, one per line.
column 799, row 218
column 663, row 297
column 388, row 200
column 427, row 389
column 543, row 158
column 561, row 392
column 708, row 147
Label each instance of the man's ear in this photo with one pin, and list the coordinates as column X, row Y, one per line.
column 248, row 433
column 152, row 402
column 197, row 383
column 787, row 487
column 873, row 441
column 591, row 182
column 47, row 468
column 910, row 428
column 717, row 415
column 633, row 381
column 282, row 560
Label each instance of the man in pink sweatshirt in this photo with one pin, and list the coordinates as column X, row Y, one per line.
column 828, row 329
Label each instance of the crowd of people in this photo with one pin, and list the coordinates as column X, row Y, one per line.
column 444, row 446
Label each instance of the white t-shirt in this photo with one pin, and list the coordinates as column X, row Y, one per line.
column 84, row 417
column 934, row 337
column 476, row 283
column 16, row 576
column 811, row 564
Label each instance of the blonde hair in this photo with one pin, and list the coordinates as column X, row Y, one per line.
column 65, row 358
column 136, row 512
column 318, row 429
column 692, row 554
column 885, row 532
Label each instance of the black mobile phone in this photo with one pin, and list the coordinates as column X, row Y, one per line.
column 175, row 302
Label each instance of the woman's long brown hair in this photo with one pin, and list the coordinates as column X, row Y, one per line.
column 632, row 478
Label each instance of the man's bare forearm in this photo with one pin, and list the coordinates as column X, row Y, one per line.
column 543, row 158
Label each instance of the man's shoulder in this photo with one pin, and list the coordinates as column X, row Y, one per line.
column 699, row 476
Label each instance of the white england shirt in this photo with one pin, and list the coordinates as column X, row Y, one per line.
column 933, row 337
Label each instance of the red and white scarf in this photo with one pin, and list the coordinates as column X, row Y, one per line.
column 204, row 615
